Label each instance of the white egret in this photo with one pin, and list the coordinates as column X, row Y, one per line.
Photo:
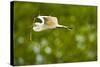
column 47, row 22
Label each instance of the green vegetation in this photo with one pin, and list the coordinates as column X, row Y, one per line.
column 54, row 45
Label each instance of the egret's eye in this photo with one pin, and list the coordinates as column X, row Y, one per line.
column 38, row 20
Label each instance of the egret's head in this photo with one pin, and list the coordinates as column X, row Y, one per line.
column 37, row 27
column 39, row 24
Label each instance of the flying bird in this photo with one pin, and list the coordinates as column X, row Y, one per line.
column 47, row 22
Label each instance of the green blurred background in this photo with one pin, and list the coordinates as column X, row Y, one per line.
column 54, row 45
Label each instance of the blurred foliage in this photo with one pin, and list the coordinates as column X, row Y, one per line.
column 54, row 45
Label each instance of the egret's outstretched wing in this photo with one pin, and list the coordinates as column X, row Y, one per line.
column 50, row 21
column 41, row 18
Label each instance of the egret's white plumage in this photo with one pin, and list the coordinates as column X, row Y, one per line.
column 48, row 22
